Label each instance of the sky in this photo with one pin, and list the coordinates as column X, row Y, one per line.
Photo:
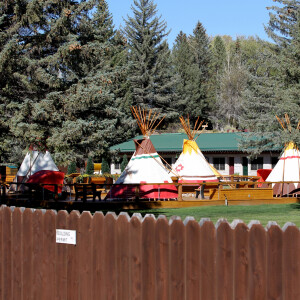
column 219, row 17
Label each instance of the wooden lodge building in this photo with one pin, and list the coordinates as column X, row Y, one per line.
column 220, row 149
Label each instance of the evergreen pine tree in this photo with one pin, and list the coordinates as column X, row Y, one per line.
column 94, row 121
column 185, row 70
column 218, row 55
column 218, row 61
column 150, row 75
column 200, row 96
column 89, row 166
column 67, row 98
column 274, row 86
column 72, row 168
column 191, row 59
column 105, row 168
column 12, row 81
column 124, row 162
column 283, row 18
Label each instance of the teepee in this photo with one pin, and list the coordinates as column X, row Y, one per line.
column 34, row 161
column 287, row 168
column 191, row 165
column 145, row 165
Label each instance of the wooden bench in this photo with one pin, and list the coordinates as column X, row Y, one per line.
column 85, row 190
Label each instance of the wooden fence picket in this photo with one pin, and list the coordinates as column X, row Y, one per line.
column 37, row 253
column 122, row 256
column 274, row 262
column 73, row 271
column 6, row 253
column 110, row 270
column 257, row 258
column 49, row 256
column 17, row 257
column 61, row 258
column 177, row 259
column 291, row 262
column 148, row 258
column 162, row 263
column 241, row 261
column 85, row 263
column 208, row 262
column 135, row 242
column 193, row 262
column 224, row 261
column 98, row 255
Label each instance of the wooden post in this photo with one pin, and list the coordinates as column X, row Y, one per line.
column 3, row 200
column 137, row 192
column 84, row 192
column 202, row 190
column 180, row 192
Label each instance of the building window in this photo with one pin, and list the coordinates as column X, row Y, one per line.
column 257, row 163
column 117, row 166
column 219, row 163
column 274, row 161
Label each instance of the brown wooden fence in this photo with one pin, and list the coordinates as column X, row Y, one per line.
column 144, row 258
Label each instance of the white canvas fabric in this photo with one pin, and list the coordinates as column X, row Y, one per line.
column 35, row 161
column 144, row 166
column 288, row 166
column 192, row 166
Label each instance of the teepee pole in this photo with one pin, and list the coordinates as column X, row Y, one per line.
column 281, row 122
column 288, row 122
column 194, row 130
column 200, row 133
column 156, row 125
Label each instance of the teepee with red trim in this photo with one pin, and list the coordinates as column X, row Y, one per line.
column 287, row 168
column 145, row 166
column 191, row 165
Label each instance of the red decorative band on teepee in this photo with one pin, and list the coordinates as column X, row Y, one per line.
column 128, row 191
column 289, row 157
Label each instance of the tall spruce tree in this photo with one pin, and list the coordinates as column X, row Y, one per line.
column 218, row 64
column 218, row 55
column 13, row 83
column 191, row 58
column 185, row 70
column 274, row 86
column 200, row 93
column 40, row 45
column 150, row 74
column 67, row 98
column 283, row 18
column 94, row 121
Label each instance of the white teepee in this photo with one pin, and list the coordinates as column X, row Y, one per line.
column 145, row 165
column 191, row 165
column 287, row 170
column 33, row 162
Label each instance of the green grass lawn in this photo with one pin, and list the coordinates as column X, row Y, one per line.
column 281, row 213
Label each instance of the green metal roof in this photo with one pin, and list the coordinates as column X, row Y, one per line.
column 172, row 142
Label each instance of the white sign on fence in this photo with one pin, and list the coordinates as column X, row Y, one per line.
column 66, row 236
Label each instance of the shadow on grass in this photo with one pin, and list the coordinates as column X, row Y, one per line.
column 295, row 205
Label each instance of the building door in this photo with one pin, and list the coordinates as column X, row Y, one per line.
column 245, row 166
column 231, row 165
